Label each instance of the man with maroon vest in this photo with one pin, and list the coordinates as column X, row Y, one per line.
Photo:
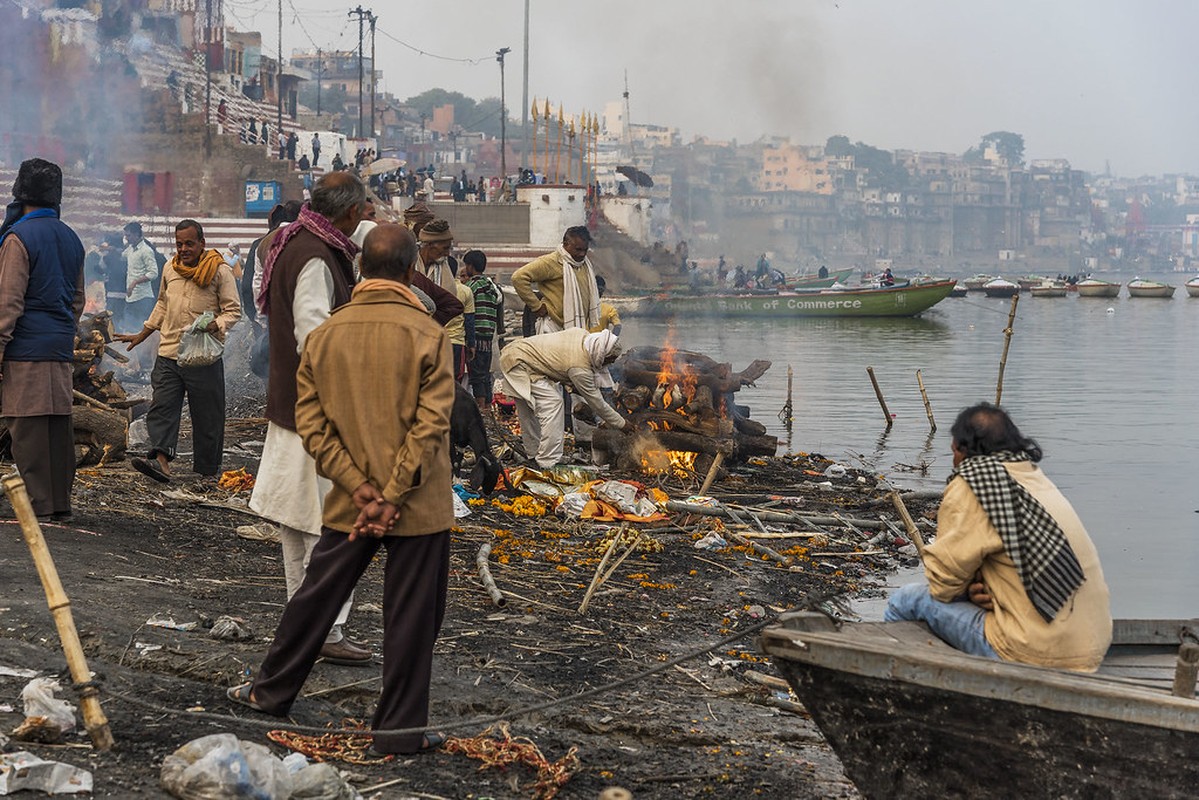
column 307, row 272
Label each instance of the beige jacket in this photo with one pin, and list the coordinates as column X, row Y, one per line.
column 181, row 301
column 376, row 385
column 967, row 542
column 546, row 272
column 559, row 357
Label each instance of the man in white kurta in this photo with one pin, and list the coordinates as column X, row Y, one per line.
column 535, row 369
column 288, row 490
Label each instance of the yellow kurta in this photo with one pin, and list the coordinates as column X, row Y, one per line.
column 967, row 543
column 546, row 272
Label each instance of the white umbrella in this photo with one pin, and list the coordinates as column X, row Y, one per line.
column 379, row 166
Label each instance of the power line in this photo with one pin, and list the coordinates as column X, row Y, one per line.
column 415, row 49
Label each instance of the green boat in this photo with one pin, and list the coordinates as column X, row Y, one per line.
column 891, row 301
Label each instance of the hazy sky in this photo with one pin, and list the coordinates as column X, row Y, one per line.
column 1092, row 81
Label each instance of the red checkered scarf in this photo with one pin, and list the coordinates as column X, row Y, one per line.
column 320, row 227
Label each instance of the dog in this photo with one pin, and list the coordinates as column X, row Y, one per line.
column 467, row 430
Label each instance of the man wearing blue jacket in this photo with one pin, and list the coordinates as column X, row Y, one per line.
column 41, row 299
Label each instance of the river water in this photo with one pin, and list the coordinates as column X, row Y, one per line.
column 1106, row 386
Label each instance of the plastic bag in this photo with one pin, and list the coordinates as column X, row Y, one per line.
column 198, row 347
column 40, row 701
column 23, row 771
column 220, row 766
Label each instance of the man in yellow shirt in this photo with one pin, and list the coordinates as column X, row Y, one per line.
column 1012, row 574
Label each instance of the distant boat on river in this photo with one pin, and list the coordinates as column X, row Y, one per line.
column 975, row 283
column 1000, row 288
column 1139, row 287
column 1048, row 288
column 1093, row 287
column 1193, row 287
column 901, row 300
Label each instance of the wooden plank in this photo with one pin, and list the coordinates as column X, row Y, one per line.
column 1151, row 631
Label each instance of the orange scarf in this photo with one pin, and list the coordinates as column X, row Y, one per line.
column 204, row 272
column 384, row 285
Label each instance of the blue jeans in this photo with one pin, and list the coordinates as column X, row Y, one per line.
column 959, row 624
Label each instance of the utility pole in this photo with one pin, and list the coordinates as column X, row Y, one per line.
column 374, row 19
column 524, row 98
column 208, row 77
column 362, row 15
column 319, row 74
column 499, row 56
column 279, row 84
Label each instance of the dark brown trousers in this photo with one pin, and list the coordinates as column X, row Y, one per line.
column 44, row 451
column 414, row 590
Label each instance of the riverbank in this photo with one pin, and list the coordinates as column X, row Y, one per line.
column 708, row 725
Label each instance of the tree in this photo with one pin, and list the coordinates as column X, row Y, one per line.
column 838, row 146
column 1009, row 146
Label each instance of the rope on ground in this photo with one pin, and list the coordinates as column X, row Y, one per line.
column 459, row 724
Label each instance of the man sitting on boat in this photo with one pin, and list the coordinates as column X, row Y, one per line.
column 1012, row 574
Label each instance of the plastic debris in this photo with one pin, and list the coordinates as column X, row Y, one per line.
column 39, row 699
column 572, row 505
column 227, row 627
column 17, row 672
column 836, row 471
column 24, row 770
column 461, row 509
column 168, row 622
column 713, row 541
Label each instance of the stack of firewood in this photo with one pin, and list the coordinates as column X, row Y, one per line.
column 686, row 402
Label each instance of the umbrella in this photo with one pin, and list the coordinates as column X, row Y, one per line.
column 638, row 177
column 381, row 165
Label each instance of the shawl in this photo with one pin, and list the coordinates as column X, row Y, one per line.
column 201, row 274
column 574, row 315
column 1034, row 541
column 319, row 226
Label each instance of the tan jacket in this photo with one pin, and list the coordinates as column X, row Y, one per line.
column 559, row 357
column 546, row 272
column 376, row 385
column 967, row 542
column 181, row 301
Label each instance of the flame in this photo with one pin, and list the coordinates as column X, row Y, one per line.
column 680, row 463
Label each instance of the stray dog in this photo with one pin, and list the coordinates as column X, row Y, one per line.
column 467, row 430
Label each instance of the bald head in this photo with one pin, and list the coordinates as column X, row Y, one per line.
column 340, row 197
column 388, row 252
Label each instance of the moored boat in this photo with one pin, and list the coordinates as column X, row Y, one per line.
column 1093, row 287
column 1139, row 287
column 975, row 283
column 1048, row 288
column 958, row 291
column 909, row 716
column 1029, row 281
column 1000, row 288
column 812, row 280
column 892, row 301
column 1192, row 287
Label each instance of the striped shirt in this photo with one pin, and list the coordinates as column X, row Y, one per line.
column 487, row 305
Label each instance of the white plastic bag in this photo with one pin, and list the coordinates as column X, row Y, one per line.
column 40, row 701
column 220, row 766
column 23, row 771
column 198, row 347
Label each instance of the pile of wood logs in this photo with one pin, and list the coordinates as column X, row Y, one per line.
column 685, row 401
column 102, row 411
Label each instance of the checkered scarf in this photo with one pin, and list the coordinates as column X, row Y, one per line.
column 1032, row 538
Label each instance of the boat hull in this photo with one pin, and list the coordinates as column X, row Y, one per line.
column 1048, row 291
column 816, row 282
column 902, row 740
column 899, row 301
column 1193, row 289
column 1151, row 291
column 1104, row 290
column 1001, row 291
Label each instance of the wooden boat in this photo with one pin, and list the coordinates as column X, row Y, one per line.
column 1000, row 288
column 958, row 291
column 975, row 283
column 1049, row 288
column 906, row 300
column 911, row 717
column 1029, row 281
column 812, row 280
column 1138, row 287
column 1192, row 287
column 1093, row 287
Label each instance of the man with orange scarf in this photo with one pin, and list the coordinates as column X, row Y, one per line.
column 196, row 280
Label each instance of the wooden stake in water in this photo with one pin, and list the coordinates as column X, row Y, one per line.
column 879, row 394
column 787, row 414
column 1007, row 342
column 60, row 608
column 928, row 408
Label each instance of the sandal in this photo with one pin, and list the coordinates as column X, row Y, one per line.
column 242, row 696
column 149, row 467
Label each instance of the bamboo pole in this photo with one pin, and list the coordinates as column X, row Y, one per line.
column 497, row 597
column 558, row 148
column 908, row 523
column 545, row 168
column 1007, row 342
column 928, row 408
column 570, row 151
column 533, row 159
column 717, row 460
column 879, row 394
column 60, row 607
